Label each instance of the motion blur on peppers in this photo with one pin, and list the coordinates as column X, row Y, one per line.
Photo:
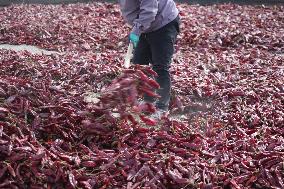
column 155, row 26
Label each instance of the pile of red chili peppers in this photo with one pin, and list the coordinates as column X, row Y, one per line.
column 226, row 122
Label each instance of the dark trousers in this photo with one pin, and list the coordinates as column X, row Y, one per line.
column 157, row 48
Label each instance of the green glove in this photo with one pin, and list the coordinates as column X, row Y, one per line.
column 134, row 39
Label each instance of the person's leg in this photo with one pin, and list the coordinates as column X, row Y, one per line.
column 143, row 56
column 162, row 48
column 142, row 53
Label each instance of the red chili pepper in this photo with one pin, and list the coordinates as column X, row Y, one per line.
column 270, row 177
column 18, row 172
column 67, row 158
column 124, row 173
column 270, row 163
column 234, row 184
column 179, row 151
column 132, row 97
column 142, row 130
column 151, row 108
column 10, row 148
column 132, row 119
column 3, row 171
column 251, row 180
column 59, row 174
column 227, row 164
column 11, row 170
column 236, row 93
column 129, row 71
column 145, row 107
column 145, row 155
column 85, row 149
column 148, row 121
column 77, row 160
column 149, row 93
column 150, row 71
column 72, row 180
column 263, row 161
column 278, row 177
column 177, row 178
column 34, row 169
column 38, row 156
column 126, row 82
column 47, row 172
column 152, row 184
column 153, row 83
column 192, row 146
column 241, row 179
column 89, row 164
column 86, row 184
column 142, row 76
column 206, row 186
column 165, row 136
column 181, row 168
column 24, row 149
column 247, row 168
column 132, row 186
column 1, row 130
column 6, row 183
column 2, row 142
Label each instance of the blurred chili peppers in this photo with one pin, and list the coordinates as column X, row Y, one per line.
column 226, row 124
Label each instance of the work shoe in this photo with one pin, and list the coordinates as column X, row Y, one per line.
column 145, row 107
column 159, row 114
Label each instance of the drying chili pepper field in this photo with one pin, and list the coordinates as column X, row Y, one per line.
column 226, row 123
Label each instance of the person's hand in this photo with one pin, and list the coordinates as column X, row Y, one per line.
column 134, row 39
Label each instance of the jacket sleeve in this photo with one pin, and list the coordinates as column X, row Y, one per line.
column 148, row 12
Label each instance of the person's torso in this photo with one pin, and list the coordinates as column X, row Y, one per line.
column 167, row 12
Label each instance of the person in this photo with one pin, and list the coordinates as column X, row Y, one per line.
column 155, row 26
